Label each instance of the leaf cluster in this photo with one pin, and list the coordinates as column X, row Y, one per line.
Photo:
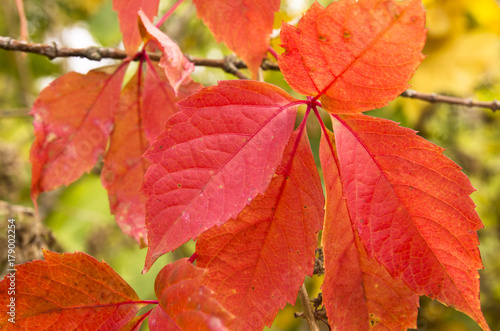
column 227, row 166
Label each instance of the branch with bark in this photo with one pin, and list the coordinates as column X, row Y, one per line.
column 229, row 64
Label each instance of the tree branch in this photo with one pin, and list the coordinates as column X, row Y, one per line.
column 53, row 51
column 308, row 311
column 14, row 112
column 433, row 97
column 229, row 64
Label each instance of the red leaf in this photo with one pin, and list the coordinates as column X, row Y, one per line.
column 159, row 100
column 128, row 16
column 213, row 158
column 358, row 292
column 357, row 55
column 412, row 210
column 257, row 262
column 74, row 291
column 159, row 320
column 230, row 20
column 177, row 67
column 186, row 304
column 73, row 119
column 140, row 119
column 124, row 166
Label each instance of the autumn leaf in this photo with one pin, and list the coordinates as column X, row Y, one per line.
column 230, row 20
column 124, row 167
column 142, row 113
column 177, row 67
column 159, row 320
column 128, row 16
column 73, row 118
column 356, row 55
column 184, row 302
column 159, row 100
column 358, row 293
column 213, row 158
column 74, row 291
column 257, row 262
column 411, row 208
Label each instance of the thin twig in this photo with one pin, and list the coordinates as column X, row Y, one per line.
column 308, row 311
column 433, row 97
column 168, row 13
column 14, row 112
column 53, row 51
column 229, row 64
column 231, row 68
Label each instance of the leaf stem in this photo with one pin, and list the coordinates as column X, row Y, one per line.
column 325, row 133
column 193, row 257
column 168, row 13
column 141, row 302
column 272, row 52
column 302, row 127
column 143, row 317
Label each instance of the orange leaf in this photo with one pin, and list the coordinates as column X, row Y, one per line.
column 358, row 292
column 127, row 17
column 73, row 120
column 74, row 291
column 411, row 208
column 257, row 262
column 244, row 26
column 356, row 55
column 186, row 304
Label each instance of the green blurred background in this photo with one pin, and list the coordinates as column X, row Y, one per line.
column 463, row 60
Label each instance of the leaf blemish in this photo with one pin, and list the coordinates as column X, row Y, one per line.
column 347, row 35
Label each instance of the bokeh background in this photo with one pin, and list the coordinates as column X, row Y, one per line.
column 463, row 60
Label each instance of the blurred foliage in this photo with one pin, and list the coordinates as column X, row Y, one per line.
column 463, row 60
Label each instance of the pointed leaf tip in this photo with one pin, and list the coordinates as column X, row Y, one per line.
column 356, row 55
